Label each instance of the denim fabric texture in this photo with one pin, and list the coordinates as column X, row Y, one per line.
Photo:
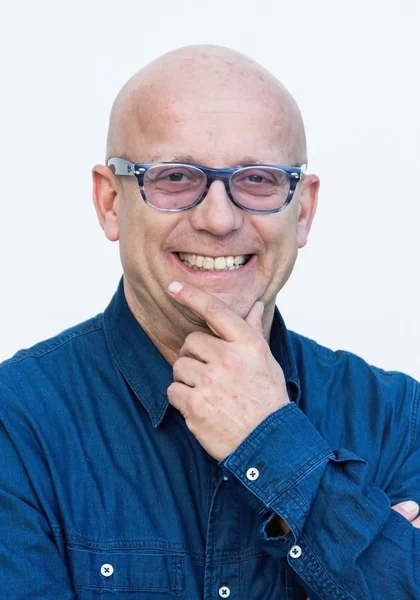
column 105, row 494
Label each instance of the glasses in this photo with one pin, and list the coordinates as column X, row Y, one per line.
column 174, row 187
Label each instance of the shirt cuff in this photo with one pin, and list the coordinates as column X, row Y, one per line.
column 284, row 450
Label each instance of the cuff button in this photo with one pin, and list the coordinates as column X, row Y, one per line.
column 295, row 552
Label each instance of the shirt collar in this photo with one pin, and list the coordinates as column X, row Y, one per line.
column 149, row 374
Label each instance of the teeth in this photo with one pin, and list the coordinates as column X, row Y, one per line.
column 230, row 261
column 208, row 263
column 221, row 263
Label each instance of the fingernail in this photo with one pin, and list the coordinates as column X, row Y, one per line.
column 410, row 506
column 175, row 287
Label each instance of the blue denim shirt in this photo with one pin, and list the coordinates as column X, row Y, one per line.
column 104, row 492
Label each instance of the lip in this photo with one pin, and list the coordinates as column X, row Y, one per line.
column 214, row 273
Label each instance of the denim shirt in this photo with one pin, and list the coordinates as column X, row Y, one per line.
column 104, row 492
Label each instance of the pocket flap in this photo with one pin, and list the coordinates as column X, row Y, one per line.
column 130, row 571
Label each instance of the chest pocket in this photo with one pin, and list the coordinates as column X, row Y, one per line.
column 131, row 573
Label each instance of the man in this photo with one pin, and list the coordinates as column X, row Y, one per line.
column 184, row 443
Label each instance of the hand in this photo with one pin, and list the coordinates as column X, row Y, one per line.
column 224, row 386
column 409, row 510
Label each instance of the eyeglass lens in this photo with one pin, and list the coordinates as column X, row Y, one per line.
column 178, row 186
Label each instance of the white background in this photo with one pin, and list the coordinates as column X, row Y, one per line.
column 353, row 68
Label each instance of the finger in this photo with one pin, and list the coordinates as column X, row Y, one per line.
column 218, row 316
column 178, row 396
column 202, row 346
column 254, row 317
column 408, row 509
column 416, row 523
column 187, row 370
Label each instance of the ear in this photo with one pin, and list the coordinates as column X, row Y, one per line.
column 105, row 199
column 308, row 200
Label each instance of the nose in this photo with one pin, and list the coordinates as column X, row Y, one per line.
column 216, row 213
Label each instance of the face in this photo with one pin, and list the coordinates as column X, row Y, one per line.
column 215, row 129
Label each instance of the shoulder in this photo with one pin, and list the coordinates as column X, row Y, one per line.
column 332, row 362
column 50, row 362
column 349, row 380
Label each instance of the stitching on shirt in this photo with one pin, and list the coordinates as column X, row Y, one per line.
column 414, row 415
column 317, row 568
column 265, row 427
column 79, row 542
column 136, row 379
column 128, row 588
column 49, row 346
column 137, row 545
column 301, row 473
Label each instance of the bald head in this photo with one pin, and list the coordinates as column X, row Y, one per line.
column 200, row 80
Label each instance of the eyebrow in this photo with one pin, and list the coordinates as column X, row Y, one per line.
column 183, row 158
column 187, row 158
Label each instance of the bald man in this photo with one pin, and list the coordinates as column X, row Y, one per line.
column 184, row 443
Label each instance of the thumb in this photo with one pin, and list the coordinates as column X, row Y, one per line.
column 408, row 509
column 254, row 317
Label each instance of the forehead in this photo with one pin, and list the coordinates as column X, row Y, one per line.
column 217, row 126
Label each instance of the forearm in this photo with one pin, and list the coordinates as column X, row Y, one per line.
column 351, row 545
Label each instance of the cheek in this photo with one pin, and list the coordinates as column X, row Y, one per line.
column 134, row 234
column 143, row 238
column 280, row 234
column 281, row 241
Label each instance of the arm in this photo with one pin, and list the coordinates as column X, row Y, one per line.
column 31, row 565
column 344, row 540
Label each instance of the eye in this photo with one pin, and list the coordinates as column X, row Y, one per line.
column 255, row 178
column 248, row 179
column 177, row 177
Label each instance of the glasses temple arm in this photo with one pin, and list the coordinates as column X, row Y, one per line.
column 121, row 166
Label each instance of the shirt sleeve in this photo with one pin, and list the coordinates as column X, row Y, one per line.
column 31, row 565
column 345, row 541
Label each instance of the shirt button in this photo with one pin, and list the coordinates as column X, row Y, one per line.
column 225, row 478
column 252, row 474
column 295, row 552
column 224, row 591
column 107, row 570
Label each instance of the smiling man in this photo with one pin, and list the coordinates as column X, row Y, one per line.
column 185, row 443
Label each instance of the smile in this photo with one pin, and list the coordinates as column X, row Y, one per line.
column 209, row 263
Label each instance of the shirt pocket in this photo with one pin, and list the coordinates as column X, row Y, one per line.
column 129, row 573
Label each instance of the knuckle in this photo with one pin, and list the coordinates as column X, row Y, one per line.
column 179, row 366
column 171, row 391
column 215, row 306
column 260, row 345
column 176, row 366
column 231, row 360
column 207, row 379
column 189, row 294
column 193, row 339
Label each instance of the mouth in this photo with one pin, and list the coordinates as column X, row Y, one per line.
column 210, row 264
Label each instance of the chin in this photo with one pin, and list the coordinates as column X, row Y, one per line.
column 241, row 306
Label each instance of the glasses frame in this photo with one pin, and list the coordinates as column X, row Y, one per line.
column 138, row 170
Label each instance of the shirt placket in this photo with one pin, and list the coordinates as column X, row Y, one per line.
column 222, row 569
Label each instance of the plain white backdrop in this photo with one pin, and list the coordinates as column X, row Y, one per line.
column 354, row 70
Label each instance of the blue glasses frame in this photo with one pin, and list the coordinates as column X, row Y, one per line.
column 138, row 170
